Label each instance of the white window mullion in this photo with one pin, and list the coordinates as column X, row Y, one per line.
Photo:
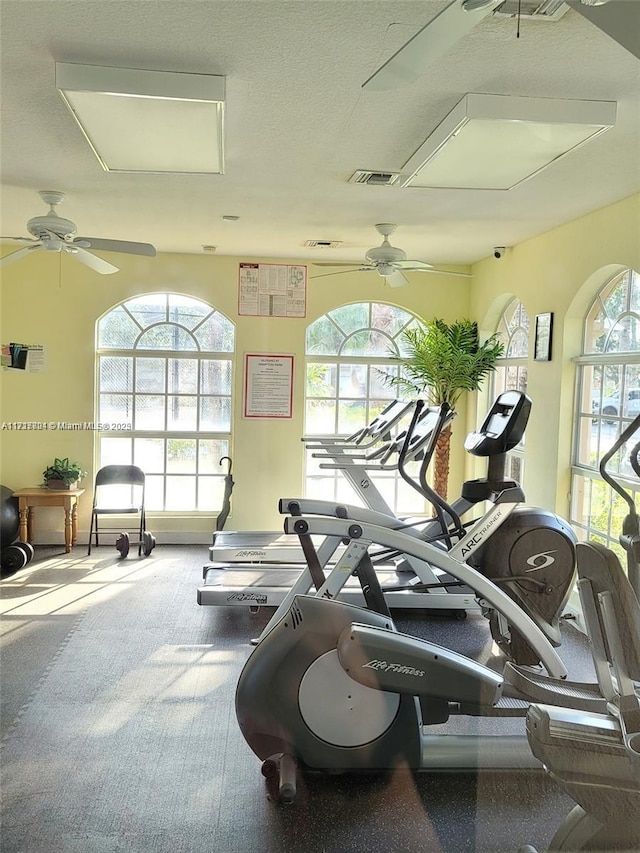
column 143, row 323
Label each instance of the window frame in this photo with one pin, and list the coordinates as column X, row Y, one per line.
column 588, row 489
column 207, row 481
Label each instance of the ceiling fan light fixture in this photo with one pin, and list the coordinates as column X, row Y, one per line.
column 495, row 142
column 385, row 269
column 147, row 121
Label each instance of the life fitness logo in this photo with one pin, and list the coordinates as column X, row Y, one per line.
column 540, row 561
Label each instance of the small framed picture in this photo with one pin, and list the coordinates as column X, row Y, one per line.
column 544, row 332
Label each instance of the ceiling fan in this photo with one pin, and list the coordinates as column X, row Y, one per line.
column 55, row 234
column 619, row 20
column 388, row 261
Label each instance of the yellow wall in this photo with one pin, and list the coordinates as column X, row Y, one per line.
column 53, row 300
column 560, row 271
column 46, row 299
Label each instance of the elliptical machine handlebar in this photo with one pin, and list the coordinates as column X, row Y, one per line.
column 635, row 460
column 622, row 439
column 445, row 416
column 630, row 533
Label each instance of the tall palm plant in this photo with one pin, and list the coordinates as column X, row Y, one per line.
column 440, row 362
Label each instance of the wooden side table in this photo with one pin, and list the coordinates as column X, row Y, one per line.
column 41, row 496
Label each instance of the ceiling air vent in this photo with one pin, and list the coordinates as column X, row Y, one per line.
column 539, row 10
column 378, row 179
column 322, row 244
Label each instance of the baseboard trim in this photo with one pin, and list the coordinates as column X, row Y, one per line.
column 164, row 537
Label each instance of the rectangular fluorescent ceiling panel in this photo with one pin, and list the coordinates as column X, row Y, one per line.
column 147, row 121
column 496, row 142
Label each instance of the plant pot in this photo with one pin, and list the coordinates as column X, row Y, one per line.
column 61, row 486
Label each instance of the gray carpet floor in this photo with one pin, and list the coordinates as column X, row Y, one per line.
column 119, row 730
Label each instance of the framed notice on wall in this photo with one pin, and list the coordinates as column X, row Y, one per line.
column 544, row 332
column 272, row 290
column 268, row 386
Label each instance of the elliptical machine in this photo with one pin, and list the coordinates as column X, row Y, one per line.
column 529, row 552
column 596, row 757
column 335, row 687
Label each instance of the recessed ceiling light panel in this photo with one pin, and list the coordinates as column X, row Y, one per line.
column 498, row 141
column 147, row 121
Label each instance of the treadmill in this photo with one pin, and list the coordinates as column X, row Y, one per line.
column 343, row 454
column 269, row 585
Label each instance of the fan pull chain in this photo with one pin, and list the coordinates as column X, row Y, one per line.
column 518, row 27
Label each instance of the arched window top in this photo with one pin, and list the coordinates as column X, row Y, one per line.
column 613, row 322
column 513, row 330
column 166, row 336
column 165, row 321
column 360, row 330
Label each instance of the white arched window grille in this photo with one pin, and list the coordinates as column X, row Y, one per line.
column 347, row 351
column 511, row 369
column 163, row 385
column 608, row 395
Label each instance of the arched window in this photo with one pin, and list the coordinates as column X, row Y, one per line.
column 347, row 350
column 608, row 399
column 511, row 369
column 164, row 372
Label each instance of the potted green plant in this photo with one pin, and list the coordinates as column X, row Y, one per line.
column 440, row 362
column 63, row 474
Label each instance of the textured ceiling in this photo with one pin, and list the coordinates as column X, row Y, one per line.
column 298, row 124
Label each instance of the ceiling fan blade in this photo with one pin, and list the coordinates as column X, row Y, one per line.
column 413, row 265
column 396, row 279
column 22, row 239
column 426, row 46
column 422, row 266
column 125, row 246
column 337, row 264
column 620, row 21
column 89, row 260
column 344, row 272
column 448, row 272
column 19, row 253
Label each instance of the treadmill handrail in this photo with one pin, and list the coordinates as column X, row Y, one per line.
column 410, row 442
column 374, row 431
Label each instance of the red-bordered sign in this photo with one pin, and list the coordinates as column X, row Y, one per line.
column 268, row 386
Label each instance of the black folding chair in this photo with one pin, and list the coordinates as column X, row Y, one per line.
column 119, row 490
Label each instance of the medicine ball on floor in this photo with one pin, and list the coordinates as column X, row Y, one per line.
column 9, row 516
column 14, row 555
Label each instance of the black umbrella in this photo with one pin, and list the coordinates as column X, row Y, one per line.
column 226, row 500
